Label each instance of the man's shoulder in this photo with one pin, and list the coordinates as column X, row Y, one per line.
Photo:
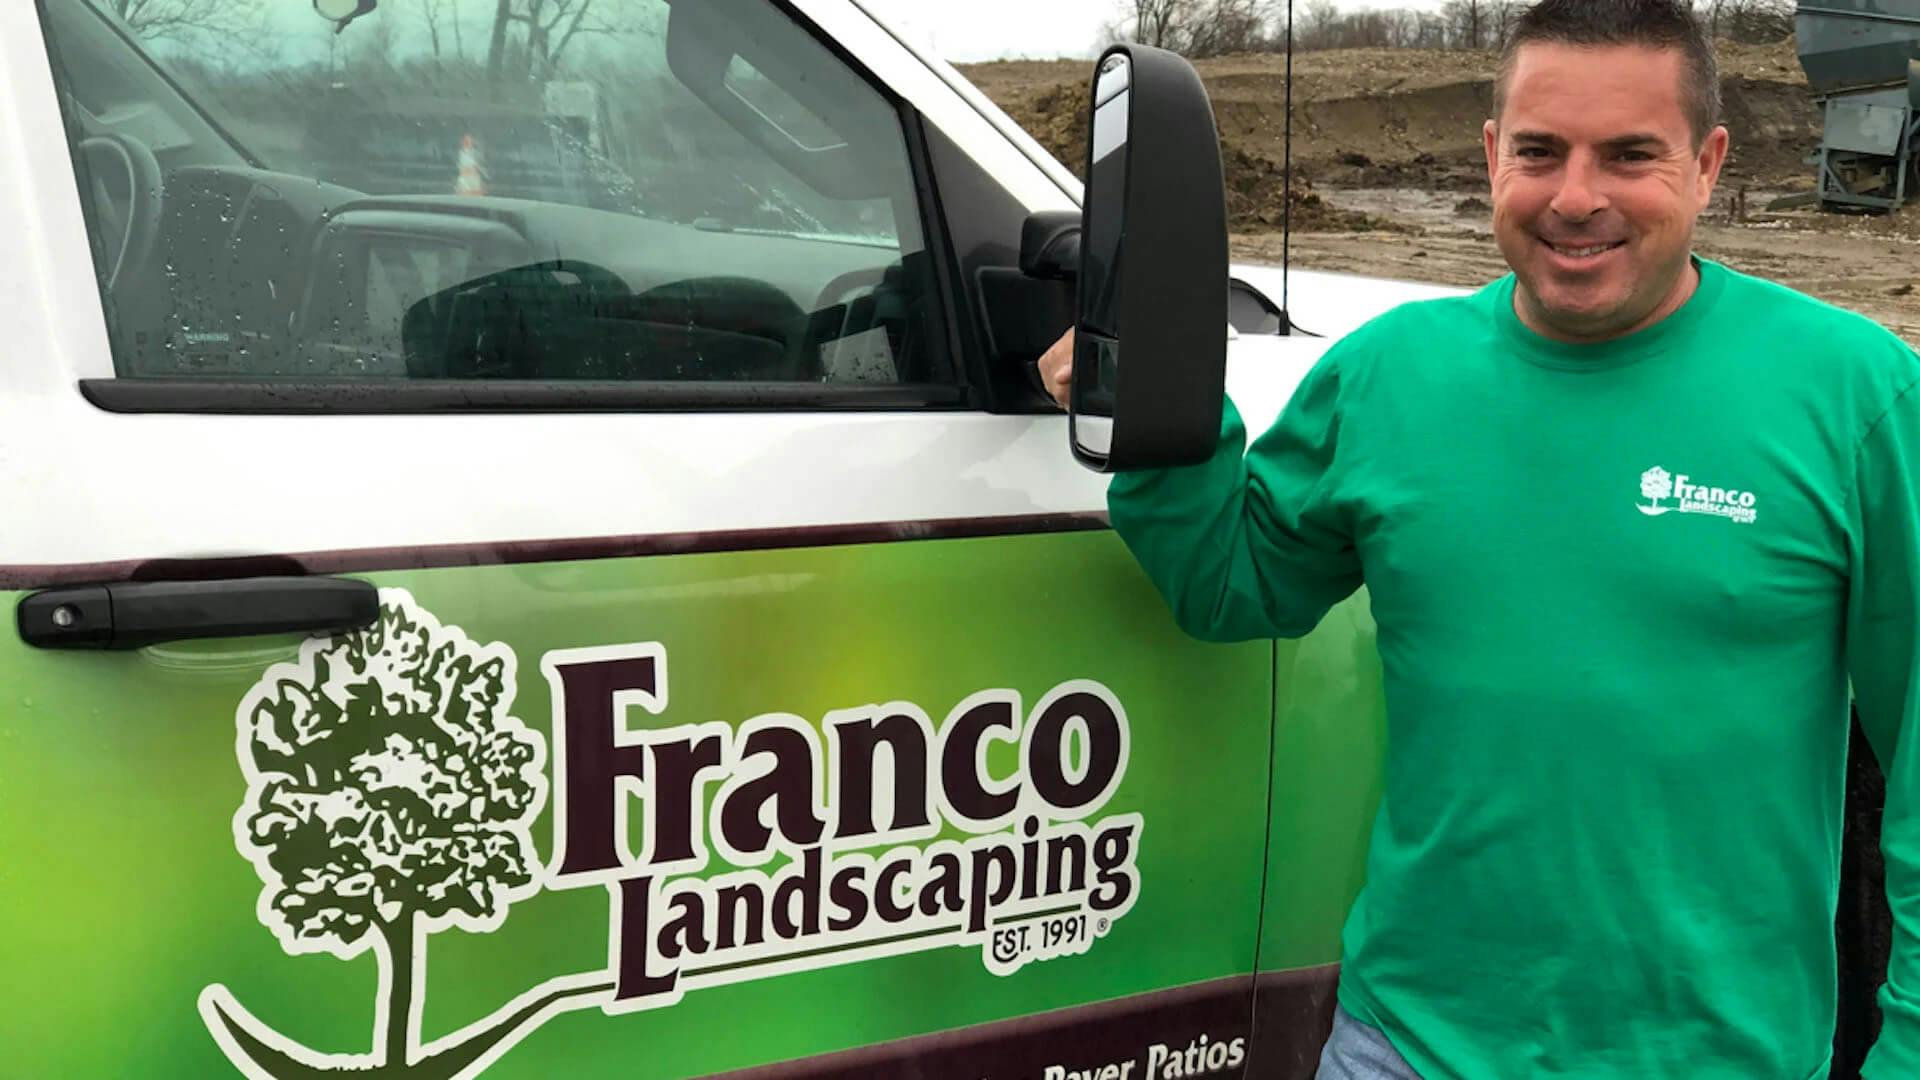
column 1406, row 346
column 1808, row 324
column 1812, row 343
column 1416, row 326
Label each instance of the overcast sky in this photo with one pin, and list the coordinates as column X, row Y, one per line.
column 965, row 30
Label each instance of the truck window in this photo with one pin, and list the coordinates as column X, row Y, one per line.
column 662, row 192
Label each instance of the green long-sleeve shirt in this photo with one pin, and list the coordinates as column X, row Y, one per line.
column 1620, row 590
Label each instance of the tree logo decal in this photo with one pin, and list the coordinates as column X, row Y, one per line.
column 390, row 795
column 1655, row 484
column 1691, row 497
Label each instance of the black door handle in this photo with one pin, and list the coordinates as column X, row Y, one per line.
column 130, row 615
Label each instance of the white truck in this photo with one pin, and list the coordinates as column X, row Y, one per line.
column 471, row 633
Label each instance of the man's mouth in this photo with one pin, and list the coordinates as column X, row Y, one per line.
column 1582, row 251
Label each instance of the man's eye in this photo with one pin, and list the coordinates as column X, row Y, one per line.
column 1535, row 152
column 1635, row 155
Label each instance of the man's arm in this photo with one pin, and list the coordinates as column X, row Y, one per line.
column 1883, row 656
column 1249, row 544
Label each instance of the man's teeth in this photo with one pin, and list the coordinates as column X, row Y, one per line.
column 1581, row 252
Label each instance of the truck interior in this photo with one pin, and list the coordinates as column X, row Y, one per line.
column 281, row 219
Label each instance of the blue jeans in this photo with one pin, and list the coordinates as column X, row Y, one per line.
column 1356, row 1051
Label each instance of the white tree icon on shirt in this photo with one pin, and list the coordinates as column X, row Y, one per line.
column 1655, row 484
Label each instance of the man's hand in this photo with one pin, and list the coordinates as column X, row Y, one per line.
column 1056, row 368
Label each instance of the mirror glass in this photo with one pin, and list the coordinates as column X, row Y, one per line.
column 1097, row 342
column 336, row 10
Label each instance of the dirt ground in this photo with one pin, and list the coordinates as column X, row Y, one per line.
column 1874, row 275
column 1390, row 181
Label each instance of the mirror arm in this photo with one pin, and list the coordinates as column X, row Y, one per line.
column 1050, row 245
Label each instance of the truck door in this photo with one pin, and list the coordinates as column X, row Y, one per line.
column 1328, row 742
column 740, row 673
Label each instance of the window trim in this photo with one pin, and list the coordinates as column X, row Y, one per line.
column 951, row 301
column 271, row 396
column 346, row 397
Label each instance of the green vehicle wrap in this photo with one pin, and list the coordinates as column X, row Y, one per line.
column 684, row 814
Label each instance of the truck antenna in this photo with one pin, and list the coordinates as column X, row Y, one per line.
column 1286, row 192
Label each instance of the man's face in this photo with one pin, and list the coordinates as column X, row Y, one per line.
column 1596, row 184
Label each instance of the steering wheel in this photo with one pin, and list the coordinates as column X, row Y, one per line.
column 140, row 231
column 840, row 288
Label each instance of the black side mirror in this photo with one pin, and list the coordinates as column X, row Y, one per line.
column 1150, row 343
column 342, row 12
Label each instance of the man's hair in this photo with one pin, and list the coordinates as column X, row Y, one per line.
column 1654, row 24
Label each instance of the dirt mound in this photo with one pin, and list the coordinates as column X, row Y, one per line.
column 1390, row 118
column 1396, row 132
column 1054, row 112
column 1256, row 200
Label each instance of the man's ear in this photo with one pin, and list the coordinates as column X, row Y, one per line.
column 1490, row 135
column 1713, row 155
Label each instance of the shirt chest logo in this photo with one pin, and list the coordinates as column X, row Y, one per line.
column 1658, row 486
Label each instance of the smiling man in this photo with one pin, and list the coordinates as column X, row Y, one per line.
column 1601, row 157
column 1632, row 526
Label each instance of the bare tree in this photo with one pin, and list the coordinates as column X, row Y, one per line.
column 1367, row 30
column 439, row 14
column 535, row 34
column 1226, row 26
column 497, row 48
column 1502, row 14
column 1198, row 28
column 1402, row 28
column 373, row 49
column 1711, row 11
column 1210, row 27
column 1316, row 24
column 1375, row 30
column 1752, row 22
column 157, row 20
column 1160, row 23
column 1467, row 19
column 1326, row 26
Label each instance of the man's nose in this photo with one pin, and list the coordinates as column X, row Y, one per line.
column 1580, row 195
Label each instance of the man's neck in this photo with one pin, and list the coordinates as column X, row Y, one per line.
column 1527, row 310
